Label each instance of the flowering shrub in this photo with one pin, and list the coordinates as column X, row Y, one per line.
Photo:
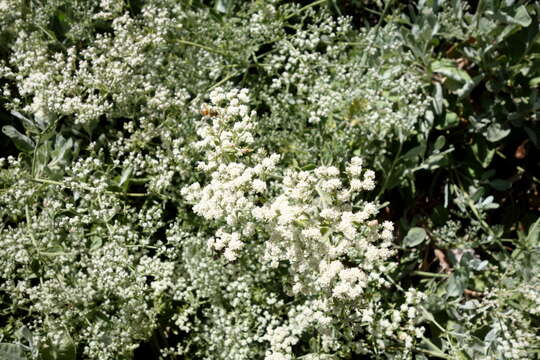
column 268, row 180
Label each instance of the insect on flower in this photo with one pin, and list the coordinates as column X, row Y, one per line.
column 207, row 111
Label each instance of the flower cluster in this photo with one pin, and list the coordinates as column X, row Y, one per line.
column 314, row 220
column 94, row 284
column 322, row 79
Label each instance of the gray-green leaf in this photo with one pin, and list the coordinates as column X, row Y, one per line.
column 496, row 132
column 415, row 236
column 500, row 184
column 22, row 142
column 456, row 285
column 126, row 173
column 11, row 352
column 449, row 68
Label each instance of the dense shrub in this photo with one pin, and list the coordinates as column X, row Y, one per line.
column 269, row 180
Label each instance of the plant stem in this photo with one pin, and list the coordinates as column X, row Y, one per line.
column 439, row 355
column 53, row 182
column 204, row 47
column 387, row 176
column 315, row 3
column 429, row 274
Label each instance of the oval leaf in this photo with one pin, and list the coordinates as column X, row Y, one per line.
column 439, row 143
column 456, row 285
column 415, row 236
column 500, row 184
column 22, row 142
column 496, row 132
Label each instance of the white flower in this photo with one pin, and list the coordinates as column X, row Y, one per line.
column 329, row 214
column 331, row 185
column 259, row 186
column 329, row 271
column 312, row 233
column 356, row 185
column 243, row 96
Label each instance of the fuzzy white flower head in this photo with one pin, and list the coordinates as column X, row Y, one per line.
column 259, row 186
column 329, row 214
column 331, row 185
column 329, row 271
column 243, row 96
column 388, row 225
column 312, row 233
column 217, row 96
column 369, row 180
column 357, row 185
column 386, row 235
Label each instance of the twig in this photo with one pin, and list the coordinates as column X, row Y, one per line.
column 473, row 293
column 429, row 274
column 439, row 254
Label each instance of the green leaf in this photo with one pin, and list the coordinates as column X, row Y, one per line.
column 96, row 243
column 53, row 251
column 415, row 236
column 456, row 285
column 126, row 173
column 500, row 184
column 534, row 82
column 438, row 99
column 41, row 158
column 482, row 152
column 520, row 17
column 491, row 336
column 477, row 264
column 224, row 6
column 434, row 161
column 534, row 233
column 67, row 349
column 496, row 132
column 469, row 86
column 11, row 352
column 309, row 167
column 64, row 350
column 506, row 32
column 22, row 142
column 449, row 68
column 451, row 120
column 60, row 154
column 26, row 334
column 415, row 152
column 27, row 123
column 439, row 143
column 458, row 80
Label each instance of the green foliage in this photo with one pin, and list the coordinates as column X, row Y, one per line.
column 11, row 352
